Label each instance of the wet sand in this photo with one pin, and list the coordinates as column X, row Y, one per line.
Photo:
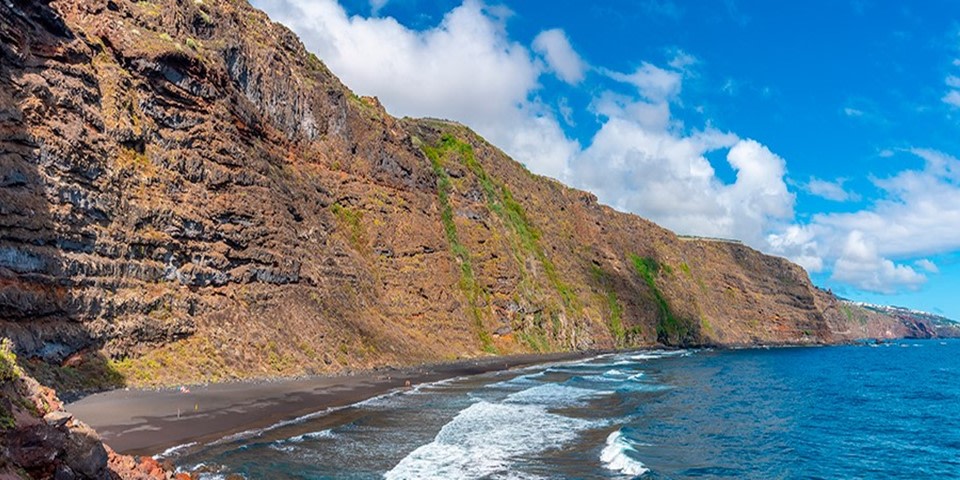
column 147, row 422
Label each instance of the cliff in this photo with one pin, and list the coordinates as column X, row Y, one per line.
column 186, row 194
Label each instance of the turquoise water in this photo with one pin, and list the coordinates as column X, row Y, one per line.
column 890, row 411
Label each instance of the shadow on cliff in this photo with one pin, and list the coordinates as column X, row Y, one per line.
column 39, row 310
column 645, row 314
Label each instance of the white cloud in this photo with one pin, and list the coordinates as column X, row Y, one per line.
column 852, row 112
column 682, row 60
column 860, row 265
column 917, row 216
column 927, row 265
column 952, row 98
column 800, row 243
column 730, row 87
column 830, row 190
column 555, row 47
column 654, row 83
column 376, row 6
column 641, row 161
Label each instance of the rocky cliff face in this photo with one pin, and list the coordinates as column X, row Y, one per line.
column 187, row 194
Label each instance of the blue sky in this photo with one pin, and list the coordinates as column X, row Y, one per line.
column 825, row 132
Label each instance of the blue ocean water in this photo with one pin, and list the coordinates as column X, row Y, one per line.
column 888, row 411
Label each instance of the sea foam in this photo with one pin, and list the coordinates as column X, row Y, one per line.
column 484, row 438
column 555, row 395
column 172, row 450
column 616, row 455
column 656, row 354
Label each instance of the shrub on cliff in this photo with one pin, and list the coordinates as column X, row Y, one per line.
column 8, row 362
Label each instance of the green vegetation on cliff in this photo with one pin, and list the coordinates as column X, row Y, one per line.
column 502, row 202
column 613, row 305
column 670, row 329
column 526, row 238
column 9, row 371
column 350, row 218
column 468, row 282
column 8, row 362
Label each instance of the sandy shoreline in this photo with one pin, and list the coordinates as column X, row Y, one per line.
column 146, row 422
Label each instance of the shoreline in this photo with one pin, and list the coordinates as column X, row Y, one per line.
column 148, row 422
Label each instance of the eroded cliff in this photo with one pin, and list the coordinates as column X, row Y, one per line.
column 187, row 194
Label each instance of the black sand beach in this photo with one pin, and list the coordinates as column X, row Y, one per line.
column 146, row 422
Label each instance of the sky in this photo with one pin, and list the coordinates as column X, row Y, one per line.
column 825, row 132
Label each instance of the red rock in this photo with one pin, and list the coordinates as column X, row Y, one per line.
column 73, row 361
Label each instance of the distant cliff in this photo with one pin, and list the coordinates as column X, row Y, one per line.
column 187, row 194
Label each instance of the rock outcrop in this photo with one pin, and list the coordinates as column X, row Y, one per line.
column 187, row 194
column 38, row 439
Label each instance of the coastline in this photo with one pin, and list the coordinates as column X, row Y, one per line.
column 147, row 422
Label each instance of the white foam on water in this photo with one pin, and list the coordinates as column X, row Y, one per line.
column 256, row 432
column 312, row 435
column 528, row 379
column 484, row 438
column 655, row 354
column 428, row 386
column 554, row 394
column 601, row 378
column 219, row 474
column 282, row 448
column 170, row 451
column 616, row 456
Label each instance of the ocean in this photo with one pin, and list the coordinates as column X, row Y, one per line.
column 887, row 411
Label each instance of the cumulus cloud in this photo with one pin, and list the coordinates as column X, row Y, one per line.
column 682, row 61
column 917, row 216
column 654, row 83
column 861, row 265
column 830, row 190
column 555, row 48
column 642, row 161
column 927, row 265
